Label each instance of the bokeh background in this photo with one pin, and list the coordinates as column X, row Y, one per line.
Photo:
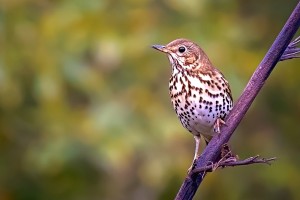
column 84, row 105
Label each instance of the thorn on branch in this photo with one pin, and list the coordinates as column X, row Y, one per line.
column 232, row 162
column 292, row 51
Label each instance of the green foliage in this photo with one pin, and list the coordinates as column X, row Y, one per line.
column 84, row 105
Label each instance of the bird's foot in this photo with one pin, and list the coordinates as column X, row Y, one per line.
column 193, row 165
column 218, row 124
column 190, row 169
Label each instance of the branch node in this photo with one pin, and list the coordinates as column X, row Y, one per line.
column 292, row 51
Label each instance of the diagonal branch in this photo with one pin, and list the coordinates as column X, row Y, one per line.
column 213, row 149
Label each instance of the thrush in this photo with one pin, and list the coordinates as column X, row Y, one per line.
column 200, row 94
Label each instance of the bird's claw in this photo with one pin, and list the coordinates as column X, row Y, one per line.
column 218, row 124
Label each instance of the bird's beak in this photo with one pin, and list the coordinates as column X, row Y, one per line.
column 160, row 48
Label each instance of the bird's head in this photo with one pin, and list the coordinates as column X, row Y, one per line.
column 184, row 54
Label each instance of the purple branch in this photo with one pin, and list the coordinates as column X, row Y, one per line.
column 212, row 151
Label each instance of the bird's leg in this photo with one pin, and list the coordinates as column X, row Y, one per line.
column 218, row 124
column 197, row 140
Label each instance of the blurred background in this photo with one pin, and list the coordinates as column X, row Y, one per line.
column 84, row 105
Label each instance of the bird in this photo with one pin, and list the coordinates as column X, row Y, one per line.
column 200, row 94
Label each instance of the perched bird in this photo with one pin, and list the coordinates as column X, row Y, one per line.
column 199, row 92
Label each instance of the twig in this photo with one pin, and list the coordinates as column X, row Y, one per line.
column 292, row 51
column 213, row 149
column 232, row 163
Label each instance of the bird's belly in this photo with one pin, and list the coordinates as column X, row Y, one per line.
column 202, row 122
column 198, row 113
column 197, row 120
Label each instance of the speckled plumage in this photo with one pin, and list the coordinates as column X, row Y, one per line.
column 199, row 92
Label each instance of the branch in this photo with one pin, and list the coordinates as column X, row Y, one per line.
column 213, row 149
column 232, row 162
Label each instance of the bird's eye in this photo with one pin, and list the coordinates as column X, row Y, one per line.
column 181, row 49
